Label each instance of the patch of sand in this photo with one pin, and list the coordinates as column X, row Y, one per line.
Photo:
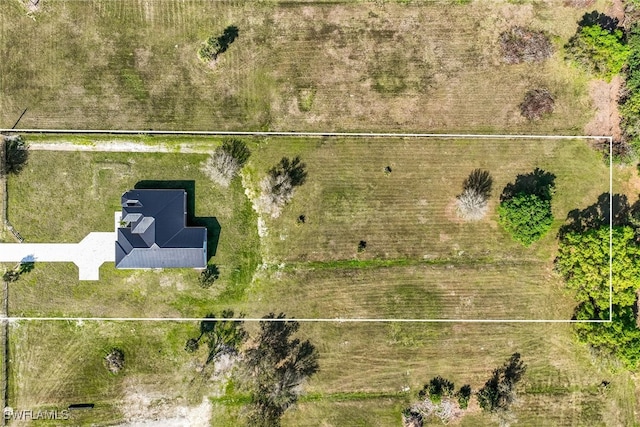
column 605, row 100
column 143, row 409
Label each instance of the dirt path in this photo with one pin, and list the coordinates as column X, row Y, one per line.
column 605, row 100
column 117, row 147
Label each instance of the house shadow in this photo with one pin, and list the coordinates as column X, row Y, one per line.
column 210, row 223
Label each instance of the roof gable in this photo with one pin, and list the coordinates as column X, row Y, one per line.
column 154, row 232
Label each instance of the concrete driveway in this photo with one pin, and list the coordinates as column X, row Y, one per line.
column 93, row 251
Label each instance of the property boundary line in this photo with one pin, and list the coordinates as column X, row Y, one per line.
column 339, row 134
column 306, row 320
column 305, row 134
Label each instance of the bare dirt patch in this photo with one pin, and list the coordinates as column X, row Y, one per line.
column 605, row 100
column 615, row 9
column 145, row 408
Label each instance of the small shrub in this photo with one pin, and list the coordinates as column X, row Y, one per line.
column 411, row 418
column 214, row 46
column 499, row 392
column 520, row 44
column 11, row 276
column 226, row 161
column 472, row 204
column 114, row 361
column 537, row 104
column 209, row 276
column 16, row 154
column 436, row 389
column 600, row 51
column 192, row 345
column 526, row 217
column 277, row 188
column 305, row 99
column 464, row 395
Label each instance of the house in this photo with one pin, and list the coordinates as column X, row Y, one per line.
column 153, row 232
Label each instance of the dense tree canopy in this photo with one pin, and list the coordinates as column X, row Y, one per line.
column 526, row 217
column 583, row 260
column 602, row 51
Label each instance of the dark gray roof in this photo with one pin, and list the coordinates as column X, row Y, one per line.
column 155, row 233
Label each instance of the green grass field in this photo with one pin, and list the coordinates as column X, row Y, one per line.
column 314, row 270
column 421, row 261
column 397, row 66
column 417, row 65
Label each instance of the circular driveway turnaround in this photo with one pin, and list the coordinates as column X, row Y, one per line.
column 93, row 251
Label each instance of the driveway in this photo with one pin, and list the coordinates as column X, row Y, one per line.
column 93, row 251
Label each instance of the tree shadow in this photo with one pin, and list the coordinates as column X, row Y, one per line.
column 228, row 36
column 598, row 215
column 210, row 223
column 606, row 22
column 479, row 181
column 538, row 182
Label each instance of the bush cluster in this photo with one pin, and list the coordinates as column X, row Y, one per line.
column 537, row 103
column 630, row 99
column 521, row 44
column 598, row 48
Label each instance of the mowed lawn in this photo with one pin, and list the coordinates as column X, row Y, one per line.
column 368, row 372
column 423, row 66
column 61, row 197
column 56, row 364
column 420, row 261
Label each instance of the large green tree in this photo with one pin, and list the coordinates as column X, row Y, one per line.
column 583, row 261
column 527, row 217
column 601, row 51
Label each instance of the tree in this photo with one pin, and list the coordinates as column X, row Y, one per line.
column 16, row 154
column 630, row 96
column 220, row 336
column 278, row 187
column 597, row 49
column 583, row 261
column 472, row 204
column 436, row 389
column 464, row 395
column 537, row 103
column 214, row 46
column 226, row 161
column 224, row 336
column 619, row 338
column 11, row 275
column 521, row 44
column 209, row 276
column 498, row 392
column 192, row 345
column 114, row 360
column 276, row 366
column 525, row 206
column 526, row 217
